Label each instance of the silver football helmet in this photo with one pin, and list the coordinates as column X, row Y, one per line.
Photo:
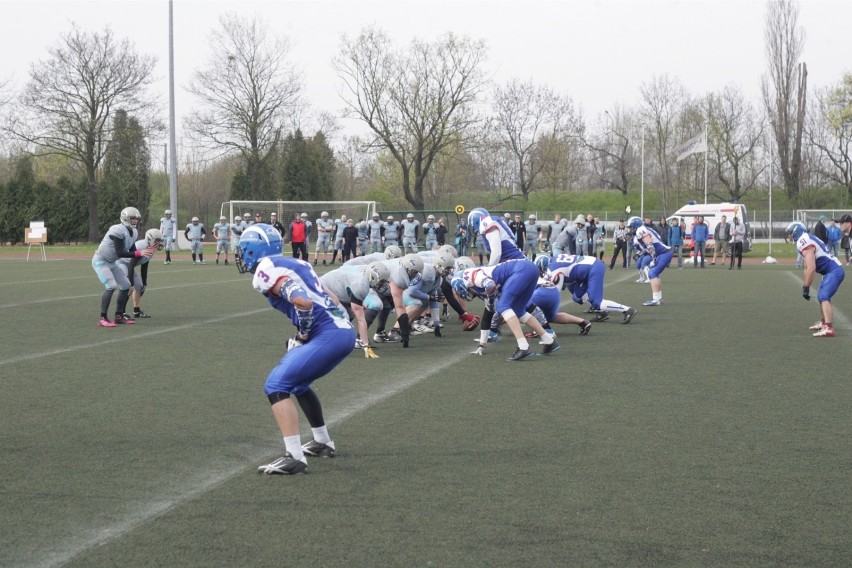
column 129, row 213
column 393, row 252
column 377, row 275
column 449, row 250
column 444, row 264
column 464, row 262
column 412, row 264
column 154, row 237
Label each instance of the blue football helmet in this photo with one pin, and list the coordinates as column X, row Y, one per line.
column 460, row 288
column 474, row 217
column 635, row 222
column 543, row 263
column 796, row 229
column 258, row 241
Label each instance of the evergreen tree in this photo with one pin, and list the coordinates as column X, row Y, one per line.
column 16, row 197
column 125, row 177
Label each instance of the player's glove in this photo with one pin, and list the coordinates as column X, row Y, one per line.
column 467, row 317
column 294, row 342
column 369, row 353
column 806, row 292
column 479, row 350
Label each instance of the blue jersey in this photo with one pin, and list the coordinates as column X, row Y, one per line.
column 656, row 246
column 573, row 268
column 326, row 313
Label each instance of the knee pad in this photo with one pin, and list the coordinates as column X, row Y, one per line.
column 277, row 397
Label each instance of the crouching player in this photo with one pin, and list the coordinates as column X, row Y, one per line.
column 507, row 289
column 817, row 260
column 324, row 337
column 661, row 257
column 583, row 276
column 153, row 239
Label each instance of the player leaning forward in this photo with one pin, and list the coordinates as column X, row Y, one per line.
column 324, row 337
column 817, row 260
column 507, row 289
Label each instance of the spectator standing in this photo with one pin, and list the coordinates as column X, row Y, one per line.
column 846, row 245
column 722, row 236
column 350, row 240
column 835, row 235
column 580, row 240
column 519, row 230
column 273, row 220
column 591, row 229
column 675, row 239
column 619, row 237
column 663, row 231
column 738, row 234
column 462, row 236
column 308, row 227
column 600, row 238
column 700, row 231
column 298, row 238
column 441, row 232
column 820, row 231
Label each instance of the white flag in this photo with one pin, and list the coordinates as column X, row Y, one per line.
column 694, row 146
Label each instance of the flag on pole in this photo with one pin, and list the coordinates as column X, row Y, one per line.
column 694, row 146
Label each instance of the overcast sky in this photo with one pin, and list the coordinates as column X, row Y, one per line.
column 597, row 52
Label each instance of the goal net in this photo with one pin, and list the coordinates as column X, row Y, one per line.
column 810, row 216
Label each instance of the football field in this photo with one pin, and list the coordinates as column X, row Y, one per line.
column 711, row 431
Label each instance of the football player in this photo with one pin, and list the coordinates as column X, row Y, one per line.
column 507, row 289
column 583, row 276
column 222, row 234
column 410, row 229
column 153, row 238
column 661, row 256
column 817, row 260
column 119, row 242
column 195, row 234
column 359, row 290
column 324, row 338
column 169, row 230
column 497, row 238
column 325, row 228
column 337, row 236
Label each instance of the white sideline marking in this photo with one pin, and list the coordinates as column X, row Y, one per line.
column 31, row 356
column 836, row 314
column 46, row 280
column 172, row 287
column 64, row 552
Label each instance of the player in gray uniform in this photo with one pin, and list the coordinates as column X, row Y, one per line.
column 237, row 228
column 531, row 237
column 325, row 228
column 222, row 234
column 358, row 289
column 339, row 225
column 153, row 238
column 168, row 228
column 422, row 294
column 363, row 237
column 429, row 228
column 119, row 242
column 403, row 272
column 557, row 226
column 391, row 232
column 377, row 229
column 410, row 229
column 195, row 234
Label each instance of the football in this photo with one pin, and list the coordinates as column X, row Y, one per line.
column 471, row 325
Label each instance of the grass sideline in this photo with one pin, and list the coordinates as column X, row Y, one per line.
column 710, row 431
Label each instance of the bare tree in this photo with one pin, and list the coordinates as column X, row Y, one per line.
column 494, row 161
column 247, row 91
column 662, row 101
column 67, row 106
column 414, row 102
column 613, row 154
column 829, row 130
column 735, row 132
column 525, row 114
column 785, row 91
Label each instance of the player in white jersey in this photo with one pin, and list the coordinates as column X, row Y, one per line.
column 498, row 239
column 119, row 242
column 661, row 257
column 324, row 338
column 222, row 234
column 195, row 233
column 391, row 232
column 404, row 272
column 237, row 228
column 507, row 289
column 337, row 237
column 817, row 260
column 139, row 280
column 325, row 228
column 376, row 231
column 410, row 228
column 168, row 228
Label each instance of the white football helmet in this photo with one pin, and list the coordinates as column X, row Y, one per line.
column 129, row 213
column 324, row 214
column 237, row 219
column 464, row 262
column 449, row 250
column 377, row 274
column 412, row 264
column 393, row 252
column 430, row 218
column 195, row 219
column 444, row 264
column 154, row 237
column 167, row 212
column 223, row 218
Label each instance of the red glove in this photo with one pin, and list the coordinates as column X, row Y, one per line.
column 468, row 317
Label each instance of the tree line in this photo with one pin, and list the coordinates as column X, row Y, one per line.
column 437, row 130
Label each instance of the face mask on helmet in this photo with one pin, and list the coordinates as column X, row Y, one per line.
column 459, row 287
column 543, row 263
column 412, row 264
column 393, row 252
column 378, row 276
column 128, row 215
column 154, row 238
column 444, row 264
column 795, row 230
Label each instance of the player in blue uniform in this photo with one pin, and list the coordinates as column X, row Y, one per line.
column 583, row 276
column 507, row 289
column 497, row 237
column 324, row 337
column 661, row 257
column 817, row 260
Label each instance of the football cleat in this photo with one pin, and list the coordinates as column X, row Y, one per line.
column 652, row 303
column 550, row 348
column 817, row 326
column 105, row 323
column 629, row 315
column 585, row 327
column 383, row 337
column 394, row 336
column 521, row 354
column 140, row 315
column 825, row 331
column 285, row 465
column 124, row 319
column 601, row 316
column 419, row 327
column 493, row 337
column 318, row 449
column 359, row 345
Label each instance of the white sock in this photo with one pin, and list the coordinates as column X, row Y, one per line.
column 293, row 444
column 610, row 306
column 658, row 295
column 547, row 338
column 321, row 434
column 523, row 344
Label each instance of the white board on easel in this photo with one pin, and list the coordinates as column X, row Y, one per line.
column 36, row 234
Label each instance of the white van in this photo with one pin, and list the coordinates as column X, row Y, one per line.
column 712, row 213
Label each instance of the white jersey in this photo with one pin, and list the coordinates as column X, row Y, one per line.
column 376, row 229
column 656, row 245
column 119, row 238
column 409, row 228
column 221, row 231
column 825, row 261
column 347, row 282
column 140, row 245
column 195, row 231
column 238, row 228
column 325, row 227
column 168, row 227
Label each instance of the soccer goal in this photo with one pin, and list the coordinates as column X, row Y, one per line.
column 810, row 216
column 288, row 210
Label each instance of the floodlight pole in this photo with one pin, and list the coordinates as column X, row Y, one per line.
column 706, row 151
column 173, row 203
column 642, row 177
column 770, row 190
